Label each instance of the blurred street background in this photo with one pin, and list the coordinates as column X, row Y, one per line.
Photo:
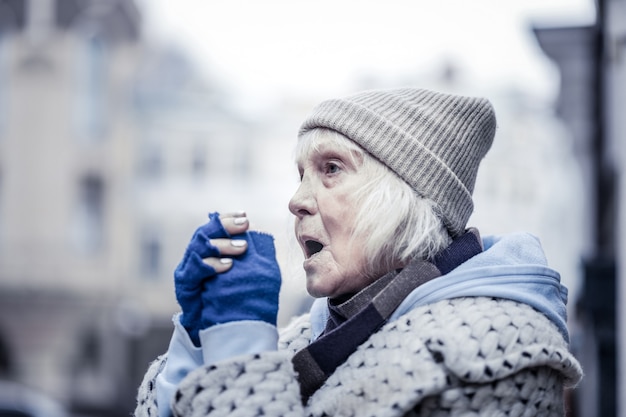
column 124, row 122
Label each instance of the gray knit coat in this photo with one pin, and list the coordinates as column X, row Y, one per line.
column 471, row 356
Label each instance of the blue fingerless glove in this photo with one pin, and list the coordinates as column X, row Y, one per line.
column 247, row 291
column 191, row 273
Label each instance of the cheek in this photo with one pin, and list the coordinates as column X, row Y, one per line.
column 355, row 269
column 338, row 215
column 351, row 268
column 338, row 218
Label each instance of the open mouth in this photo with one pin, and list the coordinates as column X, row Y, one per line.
column 312, row 247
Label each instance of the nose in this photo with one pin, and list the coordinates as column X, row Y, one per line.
column 302, row 203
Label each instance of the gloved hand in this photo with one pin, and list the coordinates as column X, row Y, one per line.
column 246, row 291
column 192, row 271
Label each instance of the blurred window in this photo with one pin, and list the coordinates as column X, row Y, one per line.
column 12, row 15
column 6, row 360
column 92, row 87
column 117, row 20
column 90, row 351
column 67, row 11
column 150, row 255
column 88, row 221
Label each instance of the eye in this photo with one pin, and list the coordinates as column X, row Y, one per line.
column 331, row 168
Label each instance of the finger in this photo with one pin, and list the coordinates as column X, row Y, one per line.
column 235, row 225
column 219, row 264
column 240, row 213
column 230, row 246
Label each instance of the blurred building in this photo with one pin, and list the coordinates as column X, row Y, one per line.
column 592, row 64
column 111, row 151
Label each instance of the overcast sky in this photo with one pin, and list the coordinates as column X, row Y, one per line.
column 268, row 47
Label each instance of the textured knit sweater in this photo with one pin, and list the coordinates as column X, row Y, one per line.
column 459, row 356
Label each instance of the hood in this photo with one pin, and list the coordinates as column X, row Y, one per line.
column 512, row 267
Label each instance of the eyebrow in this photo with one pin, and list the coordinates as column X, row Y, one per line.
column 329, row 150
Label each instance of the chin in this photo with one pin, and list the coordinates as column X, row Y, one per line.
column 316, row 290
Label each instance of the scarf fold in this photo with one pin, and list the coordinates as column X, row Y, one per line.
column 352, row 322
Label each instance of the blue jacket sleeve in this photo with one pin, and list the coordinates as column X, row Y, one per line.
column 219, row 342
column 235, row 338
column 182, row 357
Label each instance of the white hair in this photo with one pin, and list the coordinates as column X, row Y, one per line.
column 393, row 224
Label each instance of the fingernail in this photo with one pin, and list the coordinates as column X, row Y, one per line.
column 226, row 261
column 240, row 220
column 238, row 243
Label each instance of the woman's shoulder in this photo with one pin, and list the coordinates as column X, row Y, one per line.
column 475, row 317
column 484, row 338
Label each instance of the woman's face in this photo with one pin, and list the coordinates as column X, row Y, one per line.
column 325, row 207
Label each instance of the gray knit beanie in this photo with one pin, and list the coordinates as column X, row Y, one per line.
column 433, row 141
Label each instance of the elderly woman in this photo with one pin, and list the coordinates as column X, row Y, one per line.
column 416, row 314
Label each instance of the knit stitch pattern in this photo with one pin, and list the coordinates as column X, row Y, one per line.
column 458, row 357
column 146, row 396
